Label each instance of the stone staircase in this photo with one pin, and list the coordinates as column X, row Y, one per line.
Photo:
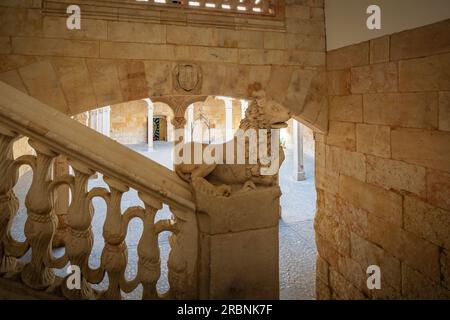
column 52, row 134
column 221, row 247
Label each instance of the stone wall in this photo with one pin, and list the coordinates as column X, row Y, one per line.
column 114, row 58
column 383, row 170
column 129, row 122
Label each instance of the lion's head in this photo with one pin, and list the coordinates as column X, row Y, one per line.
column 265, row 114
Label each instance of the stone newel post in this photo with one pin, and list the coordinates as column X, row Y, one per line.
column 239, row 244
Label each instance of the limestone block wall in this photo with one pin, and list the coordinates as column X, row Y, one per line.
column 383, row 170
column 129, row 122
column 129, row 53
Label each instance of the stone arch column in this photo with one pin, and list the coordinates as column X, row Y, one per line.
column 150, row 123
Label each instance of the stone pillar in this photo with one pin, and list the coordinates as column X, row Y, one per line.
column 106, row 121
column 228, row 117
column 100, row 120
column 190, row 122
column 149, row 123
column 93, row 119
column 299, row 170
column 239, row 250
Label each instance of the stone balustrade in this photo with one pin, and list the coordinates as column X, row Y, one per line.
column 52, row 134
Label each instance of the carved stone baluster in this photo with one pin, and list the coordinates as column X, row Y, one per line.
column 115, row 255
column 79, row 238
column 149, row 269
column 182, row 262
column 8, row 200
column 41, row 221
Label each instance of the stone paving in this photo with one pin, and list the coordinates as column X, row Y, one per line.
column 297, row 245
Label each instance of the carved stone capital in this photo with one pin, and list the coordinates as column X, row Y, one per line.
column 179, row 122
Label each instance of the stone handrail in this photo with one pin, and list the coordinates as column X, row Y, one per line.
column 52, row 134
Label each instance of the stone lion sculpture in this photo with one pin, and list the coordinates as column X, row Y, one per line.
column 220, row 179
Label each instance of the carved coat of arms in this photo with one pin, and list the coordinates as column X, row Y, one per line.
column 187, row 78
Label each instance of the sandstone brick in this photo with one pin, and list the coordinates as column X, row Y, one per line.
column 13, row 79
column 354, row 273
column 346, row 108
column 297, row 91
column 305, row 42
column 11, row 61
column 208, row 54
column 5, row 45
column 42, row 83
column 302, row 26
column 305, row 58
column 315, row 98
column 328, row 203
column 326, row 250
column 346, row 162
column 427, row 221
column 327, row 180
column 251, row 39
column 445, row 268
column 386, row 293
column 424, row 41
column 261, row 57
column 323, row 292
column 438, row 189
column 425, row 74
column 323, row 117
column 187, row 35
column 377, row 201
column 322, row 270
column 132, row 79
column 367, row 254
column 159, row 77
column 374, row 140
column 317, row 14
column 417, row 286
column 414, row 251
column 297, row 11
column 55, row 27
column 342, row 289
column 55, row 47
column 444, row 110
column 105, row 81
column 20, row 22
column 423, row 147
column 278, row 82
column 354, row 218
column 123, row 50
column 274, row 40
column 374, row 78
column 335, row 233
column 397, row 175
column 320, row 156
column 74, row 78
column 141, row 32
column 351, row 56
column 414, row 110
column 342, row 134
column 339, row 82
column 379, row 50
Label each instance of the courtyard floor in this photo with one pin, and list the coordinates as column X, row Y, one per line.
column 297, row 244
